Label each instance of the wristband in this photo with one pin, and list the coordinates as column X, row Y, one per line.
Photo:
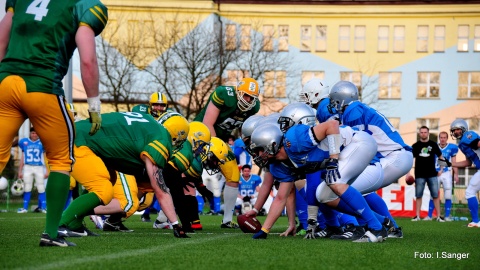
column 255, row 210
column 174, row 223
column 334, row 143
column 94, row 104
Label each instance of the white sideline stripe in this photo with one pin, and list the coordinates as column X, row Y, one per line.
column 130, row 253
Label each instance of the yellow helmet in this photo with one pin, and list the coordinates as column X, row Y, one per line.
column 176, row 125
column 199, row 136
column 247, row 86
column 71, row 108
column 158, row 98
column 217, row 154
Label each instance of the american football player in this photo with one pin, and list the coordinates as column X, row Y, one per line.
column 157, row 105
column 470, row 146
column 226, row 110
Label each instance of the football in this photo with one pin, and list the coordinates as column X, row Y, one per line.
column 409, row 180
column 249, row 224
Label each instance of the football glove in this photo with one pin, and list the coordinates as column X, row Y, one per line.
column 311, row 229
column 246, row 199
column 332, row 173
column 260, row 235
column 96, row 120
column 444, row 163
column 178, row 232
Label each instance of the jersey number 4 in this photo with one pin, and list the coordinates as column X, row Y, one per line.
column 38, row 8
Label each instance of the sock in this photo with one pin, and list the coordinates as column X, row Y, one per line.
column 448, row 207
column 146, row 212
column 216, row 204
column 346, row 219
column 431, row 207
column 378, row 205
column 79, row 208
column 42, row 201
column 313, row 181
column 156, row 204
column 191, row 206
column 26, row 199
column 352, row 199
column 69, row 199
column 321, row 220
column 473, row 207
column 201, row 204
column 229, row 199
column 330, row 215
column 301, row 207
column 56, row 193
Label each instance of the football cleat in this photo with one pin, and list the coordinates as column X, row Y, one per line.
column 47, row 241
column 440, row 219
column 416, row 218
column 229, row 225
column 196, row 225
column 80, row 232
column 388, row 224
column 448, row 219
column 40, row 210
column 427, row 218
column 351, row 232
column 396, row 233
column 115, row 227
column 97, row 220
column 162, row 225
column 473, row 225
column 22, row 211
column 146, row 218
column 329, row 231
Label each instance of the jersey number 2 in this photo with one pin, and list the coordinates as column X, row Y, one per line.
column 38, row 8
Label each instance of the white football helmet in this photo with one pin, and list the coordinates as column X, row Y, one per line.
column 17, row 188
column 458, row 124
column 313, row 91
column 342, row 94
column 296, row 113
column 267, row 139
column 3, row 183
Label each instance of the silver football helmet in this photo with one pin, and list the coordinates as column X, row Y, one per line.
column 313, row 91
column 266, row 140
column 296, row 113
column 342, row 94
column 458, row 124
column 249, row 125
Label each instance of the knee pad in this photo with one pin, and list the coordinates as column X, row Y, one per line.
column 40, row 185
column 27, row 183
column 447, row 193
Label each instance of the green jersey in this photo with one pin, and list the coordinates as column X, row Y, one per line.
column 42, row 39
column 124, row 138
column 141, row 108
column 230, row 117
column 182, row 159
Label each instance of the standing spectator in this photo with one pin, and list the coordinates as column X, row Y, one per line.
column 424, row 152
column 248, row 188
column 32, row 166
column 35, row 51
column 446, row 176
column 470, row 145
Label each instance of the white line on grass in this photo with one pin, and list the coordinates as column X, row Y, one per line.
column 129, row 253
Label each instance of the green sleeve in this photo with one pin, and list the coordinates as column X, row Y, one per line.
column 92, row 13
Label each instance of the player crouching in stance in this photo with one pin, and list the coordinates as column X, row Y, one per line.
column 305, row 149
column 470, row 146
column 128, row 142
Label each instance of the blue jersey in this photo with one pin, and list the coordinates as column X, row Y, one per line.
column 373, row 122
column 247, row 187
column 304, row 153
column 450, row 150
column 242, row 156
column 469, row 146
column 32, row 152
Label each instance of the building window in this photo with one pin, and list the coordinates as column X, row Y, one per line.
column 231, row 37
column 305, row 38
column 464, row 176
column 235, row 75
column 382, row 38
column 354, row 77
column 422, row 38
column 268, row 37
column 321, row 38
column 439, row 39
column 432, row 124
column 112, row 34
column 398, row 38
column 134, row 34
column 283, row 38
column 275, row 84
column 428, row 84
column 395, row 121
column 462, row 44
column 469, row 84
column 473, row 124
column 359, row 43
column 246, row 37
column 308, row 75
column 389, row 84
column 476, row 41
column 344, row 38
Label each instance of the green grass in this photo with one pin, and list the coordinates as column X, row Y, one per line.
column 215, row 248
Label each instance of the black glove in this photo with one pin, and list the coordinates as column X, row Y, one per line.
column 178, row 232
column 444, row 163
column 202, row 189
column 332, row 174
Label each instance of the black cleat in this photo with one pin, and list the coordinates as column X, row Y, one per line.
column 47, row 241
column 396, row 233
column 350, row 232
column 229, row 225
column 115, row 227
column 329, row 231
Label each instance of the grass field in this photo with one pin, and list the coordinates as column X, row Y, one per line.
column 215, row 248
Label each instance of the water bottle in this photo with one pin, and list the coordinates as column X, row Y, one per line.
column 456, row 218
column 463, row 218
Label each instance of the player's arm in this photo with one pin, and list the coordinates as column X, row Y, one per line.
column 462, row 164
column 5, row 27
column 211, row 115
column 290, row 208
column 263, row 193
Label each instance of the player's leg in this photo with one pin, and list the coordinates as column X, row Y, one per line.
column 446, row 181
column 40, row 184
column 470, row 194
column 28, row 176
column 232, row 177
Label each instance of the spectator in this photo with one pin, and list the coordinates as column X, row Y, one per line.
column 424, row 152
column 32, row 167
column 248, row 189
